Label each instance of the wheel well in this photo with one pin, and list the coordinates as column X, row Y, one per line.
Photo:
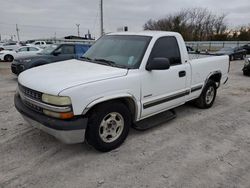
column 216, row 78
column 127, row 101
column 8, row 55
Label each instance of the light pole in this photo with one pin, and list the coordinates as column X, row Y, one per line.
column 17, row 32
column 101, row 18
column 78, row 29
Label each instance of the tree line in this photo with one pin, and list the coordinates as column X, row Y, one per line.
column 199, row 24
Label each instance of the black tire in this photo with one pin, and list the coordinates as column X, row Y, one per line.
column 8, row 58
column 246, row 73
column 95, row 129
column 231, row 57
column 202, row 101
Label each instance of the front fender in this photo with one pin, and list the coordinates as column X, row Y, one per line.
column 113, row 97
column 38, row 63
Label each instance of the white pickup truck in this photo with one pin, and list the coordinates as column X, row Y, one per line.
column 123, row 79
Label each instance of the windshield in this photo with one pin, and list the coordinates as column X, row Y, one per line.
column 123, row 51
column 49, row 49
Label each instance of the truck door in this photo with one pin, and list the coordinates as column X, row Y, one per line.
column 164, row 89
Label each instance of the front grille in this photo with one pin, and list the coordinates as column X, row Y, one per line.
column 36, row 95
column 34, row 107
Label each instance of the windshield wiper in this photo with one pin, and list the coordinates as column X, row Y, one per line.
column 86, row 58
column 110, row 63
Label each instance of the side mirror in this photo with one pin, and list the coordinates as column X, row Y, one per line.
column 159, row 63
column 56, row 53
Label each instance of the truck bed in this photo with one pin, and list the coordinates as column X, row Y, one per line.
column 198, row 55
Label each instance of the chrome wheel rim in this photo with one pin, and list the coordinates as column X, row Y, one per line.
column 111, row 127
column 210, row 95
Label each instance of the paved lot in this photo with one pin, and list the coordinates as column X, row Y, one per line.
column 200, row 148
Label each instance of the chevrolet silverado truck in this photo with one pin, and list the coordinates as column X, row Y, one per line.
column 122, row 80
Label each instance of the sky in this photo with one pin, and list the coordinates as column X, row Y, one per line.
column 50, row 18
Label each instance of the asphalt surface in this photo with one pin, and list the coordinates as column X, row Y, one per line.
column 200, row 148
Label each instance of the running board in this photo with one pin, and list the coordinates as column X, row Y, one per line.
column 155, row 120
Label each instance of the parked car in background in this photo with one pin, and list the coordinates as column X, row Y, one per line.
column 11, row 46
column 247, row 48
column 41, row 44
column 25, row 51
column 1, row 46
column 191, row 50
column 51, row 54
column 233, row 53
column 246, row 68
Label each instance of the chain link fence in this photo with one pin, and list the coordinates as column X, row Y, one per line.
column 214, row 45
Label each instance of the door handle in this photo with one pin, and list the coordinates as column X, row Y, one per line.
column 182, row 73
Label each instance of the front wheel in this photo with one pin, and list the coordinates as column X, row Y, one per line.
column 108, row 126
column 8, row 58
column 207, row 96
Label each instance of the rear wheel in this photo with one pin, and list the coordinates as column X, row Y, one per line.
column 8, row 58
column 108, row 126
column 246, row 73
column 207, row 96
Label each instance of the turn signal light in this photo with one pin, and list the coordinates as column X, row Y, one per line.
column 59, row 115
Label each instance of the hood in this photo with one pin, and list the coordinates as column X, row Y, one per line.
column 55, row 77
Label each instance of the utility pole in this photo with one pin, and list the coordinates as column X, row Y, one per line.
column 101, row 18
column 17, row 33
column 78, row 29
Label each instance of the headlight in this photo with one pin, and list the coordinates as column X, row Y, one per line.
column 24, row 60
column 56, row 100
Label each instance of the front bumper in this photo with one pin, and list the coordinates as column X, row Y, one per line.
column 68, row 131
column 17, row 68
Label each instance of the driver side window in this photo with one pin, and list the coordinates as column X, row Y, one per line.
column 167, row 47
column 68, row 49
